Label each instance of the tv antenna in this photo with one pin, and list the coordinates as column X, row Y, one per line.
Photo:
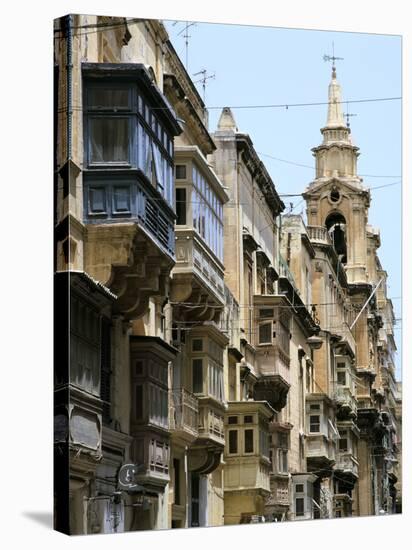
column 186, row 36
column 332, row 58
column 205, row 77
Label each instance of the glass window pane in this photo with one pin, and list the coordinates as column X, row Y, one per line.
column 108, row 99
column 233, row 441
column 181, row 208
column 265, row 333
column 197, row 376
column 299, row 506
column 249, row 441
column 180, row 171
column 109, row 140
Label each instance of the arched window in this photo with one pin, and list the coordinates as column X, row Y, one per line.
column 336, row 226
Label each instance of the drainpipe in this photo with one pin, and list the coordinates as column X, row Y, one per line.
column 69, row 68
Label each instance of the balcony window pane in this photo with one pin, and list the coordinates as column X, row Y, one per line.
column 197, row 344
column 299, row 506
column 181, row 206
column 249, row 441
column 109, row 140
column 343, row 444
column 315, row 423
column 106, row 98
column 197, row 375
column 139, row 402
column 180, row 171
column 233, row 438
column 265, row 333
column 342, row 378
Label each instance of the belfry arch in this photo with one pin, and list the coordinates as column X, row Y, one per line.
column 336, row 225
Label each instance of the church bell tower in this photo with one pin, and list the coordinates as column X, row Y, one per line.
column 336, row 198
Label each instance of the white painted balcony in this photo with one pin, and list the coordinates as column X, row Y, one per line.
column 211, row 421
column 345, row 399
column 194, row 258
column 347, row 463
column 319, row 234
column 184, row 414
column 320, row 447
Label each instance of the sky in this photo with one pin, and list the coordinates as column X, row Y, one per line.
column 266, row 66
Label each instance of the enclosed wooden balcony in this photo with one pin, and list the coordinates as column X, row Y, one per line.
column 271, row 342
column 197, row 275
column 184, row 415
column 321, row 432
column 346, row 401
column 346, row 463
column 247, row 460
column 206, row 452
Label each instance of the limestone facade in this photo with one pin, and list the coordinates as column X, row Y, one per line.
column 208, row 369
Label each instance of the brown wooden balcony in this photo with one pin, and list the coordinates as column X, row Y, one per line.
column 183, row 415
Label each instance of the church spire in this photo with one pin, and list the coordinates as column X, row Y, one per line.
column 335, row 114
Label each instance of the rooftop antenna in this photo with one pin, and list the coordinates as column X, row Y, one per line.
column 186, row 36
column 203, row 81
column 332, row 58
column 347, row 115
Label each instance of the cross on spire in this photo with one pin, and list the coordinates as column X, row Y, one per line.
column 332, row 58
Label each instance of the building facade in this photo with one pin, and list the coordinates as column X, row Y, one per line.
column 216, row 362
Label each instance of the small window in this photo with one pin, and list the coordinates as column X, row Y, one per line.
column 299, row 488
column 315, row 407
column 232, row 420
column 180, row 171
column 197, row 375
column 249, row 441
column 233, row 441
column 197, row 344
column 266, row 313
column 314, row 423
column 300, row 506
column 248, row 419
column 343, row 445
column 139, row 368
column 180, row 206
column 342, row 378
column 283, row 440
column 283, row 460
column 139, row 402
column 265, row 333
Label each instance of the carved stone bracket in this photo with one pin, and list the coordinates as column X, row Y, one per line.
column 123, row 258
